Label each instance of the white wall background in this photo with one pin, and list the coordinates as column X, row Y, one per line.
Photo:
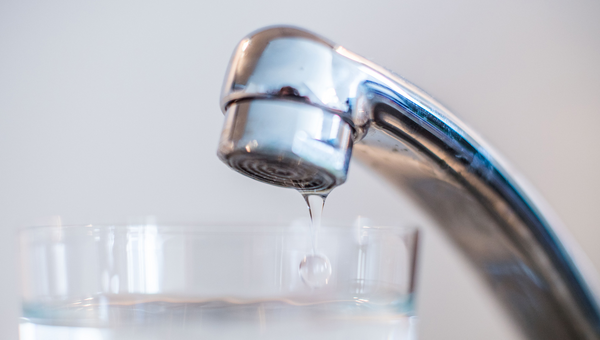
column 110, row 110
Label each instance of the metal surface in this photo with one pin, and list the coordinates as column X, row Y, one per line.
column 306, row 148
column 403, row 134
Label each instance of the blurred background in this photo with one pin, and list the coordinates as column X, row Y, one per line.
column 110, row 111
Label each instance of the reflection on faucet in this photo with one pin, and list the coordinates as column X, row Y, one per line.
column 284, row 82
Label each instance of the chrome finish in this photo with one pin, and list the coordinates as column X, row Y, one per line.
column 420, row 147
column 286, row 143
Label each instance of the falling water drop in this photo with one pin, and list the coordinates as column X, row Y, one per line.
column 315, row 269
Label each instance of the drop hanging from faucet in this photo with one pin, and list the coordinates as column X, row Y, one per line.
column 315, row 269
column 315, row 204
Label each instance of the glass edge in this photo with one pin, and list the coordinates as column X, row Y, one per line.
column 224, row 226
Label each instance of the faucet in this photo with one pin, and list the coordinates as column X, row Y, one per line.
column 298, row 107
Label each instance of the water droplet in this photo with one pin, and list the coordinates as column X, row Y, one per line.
column 315, row 270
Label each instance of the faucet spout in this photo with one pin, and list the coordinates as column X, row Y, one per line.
column 298, row 107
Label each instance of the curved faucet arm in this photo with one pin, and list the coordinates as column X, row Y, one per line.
column 419, row 146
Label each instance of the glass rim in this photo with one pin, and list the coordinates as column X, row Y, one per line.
column 222, row 227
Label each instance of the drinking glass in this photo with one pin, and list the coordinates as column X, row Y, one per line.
column 217, row 282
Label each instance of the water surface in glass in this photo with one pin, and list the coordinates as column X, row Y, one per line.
column 222, row 282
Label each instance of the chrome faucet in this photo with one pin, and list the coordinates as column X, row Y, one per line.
column 298, row 107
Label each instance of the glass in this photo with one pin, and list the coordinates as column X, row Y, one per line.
column 215, row 282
